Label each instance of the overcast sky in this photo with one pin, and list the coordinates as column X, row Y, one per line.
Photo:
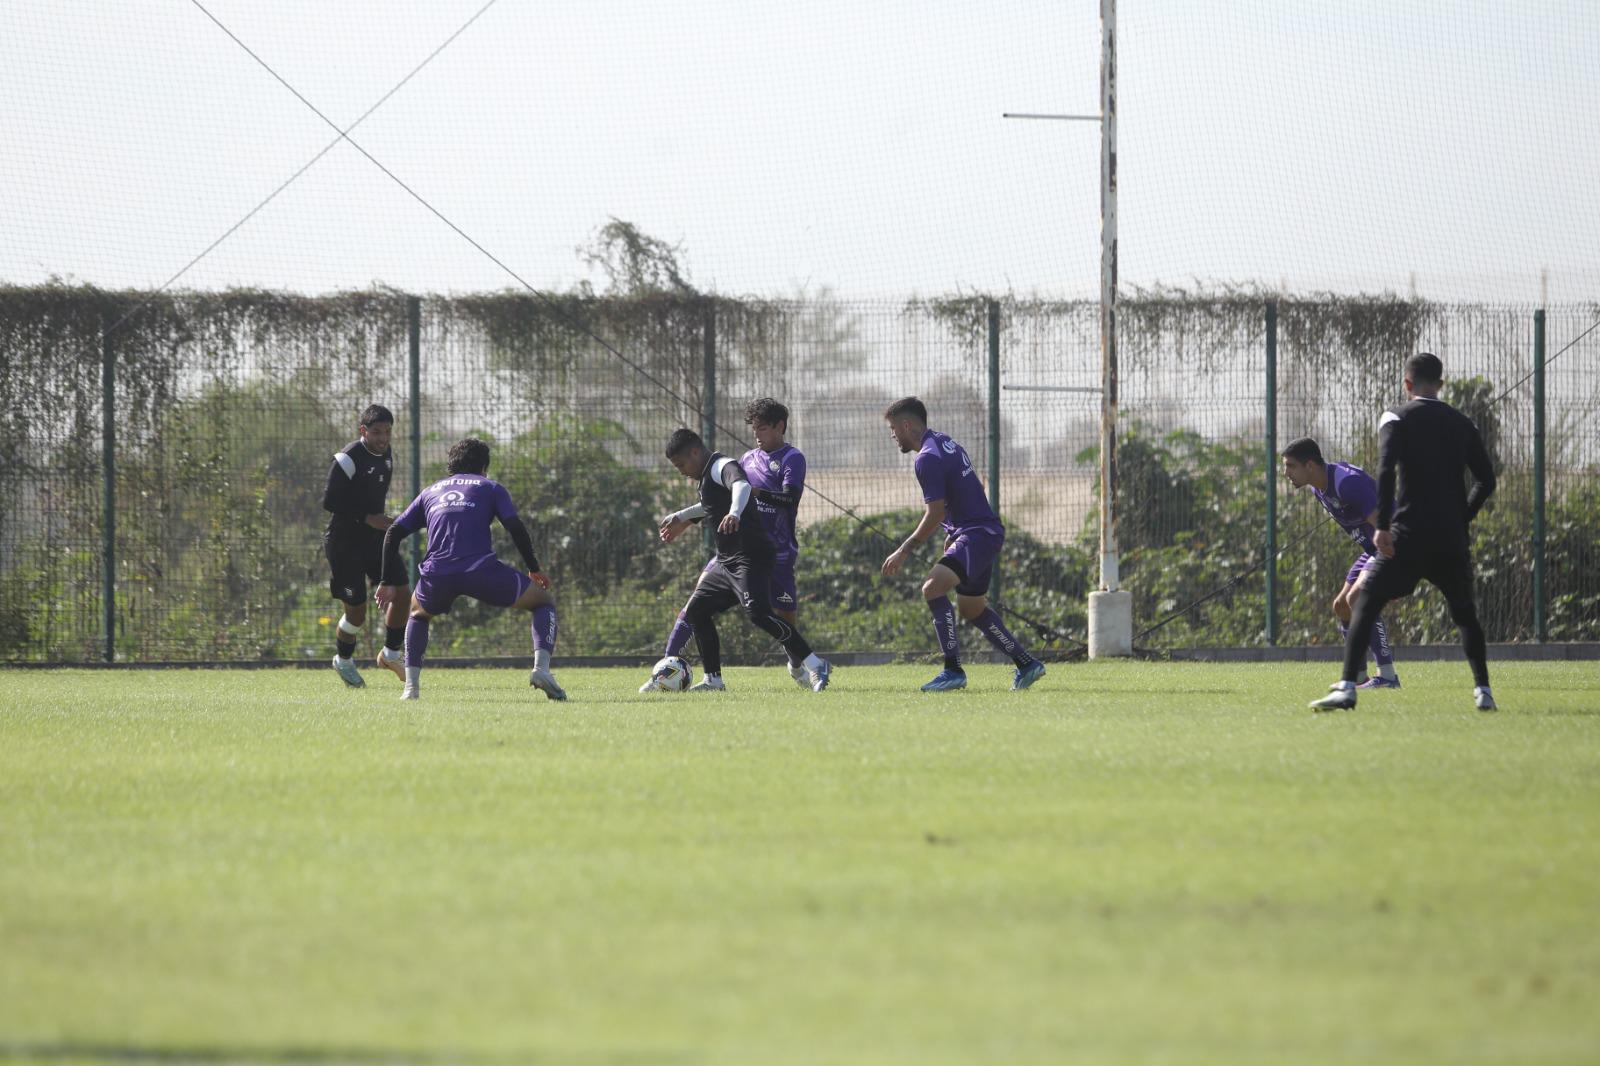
column 1358, row 145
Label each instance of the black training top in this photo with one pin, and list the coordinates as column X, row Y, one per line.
column 716, row 496
column 1426, row 447
column 358, row 486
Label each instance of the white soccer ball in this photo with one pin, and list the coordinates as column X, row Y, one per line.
column 671, row 674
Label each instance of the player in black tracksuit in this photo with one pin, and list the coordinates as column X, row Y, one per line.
column 741, row 572
column 356, row 496
column 1426, row 448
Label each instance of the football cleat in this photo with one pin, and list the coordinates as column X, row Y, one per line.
column 1380, row 682
column 801, row 675
column 712, row 683
column 396, row 665
column 545, row 682
column 947, row 681
column 346, row 669
column 820, row 677
column 1482, row 700
column 410, row 691
column 1339, row 698
column 1026, row 675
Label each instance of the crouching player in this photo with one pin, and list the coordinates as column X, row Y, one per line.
column 460, row 561
column 1349, row 494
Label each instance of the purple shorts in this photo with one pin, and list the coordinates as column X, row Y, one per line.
column 783, row 592
column 495, row 584
column 972, row 557
column 1363, row 563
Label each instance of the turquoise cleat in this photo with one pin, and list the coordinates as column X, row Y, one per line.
column 947, row 681
column 1027, row 675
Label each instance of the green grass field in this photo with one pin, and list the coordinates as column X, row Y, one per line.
column 1134, row 863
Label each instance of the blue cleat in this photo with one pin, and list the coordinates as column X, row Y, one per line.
column 947, row 681
column 1380, row 682
column 1026, row 675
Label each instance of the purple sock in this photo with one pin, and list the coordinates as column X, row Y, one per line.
column 944, row 624
column 416, row 640
column 1380, row 645
column 678, row 639
column 544, row 628
column 990, row 626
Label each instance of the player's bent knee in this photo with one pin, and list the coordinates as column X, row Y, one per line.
column 972, row 606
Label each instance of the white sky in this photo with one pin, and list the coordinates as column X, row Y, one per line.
column 1357, row 145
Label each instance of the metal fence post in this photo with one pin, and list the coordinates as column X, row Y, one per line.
column 708, row 411
column 414, row 363
column 1272, row 473
column 1541, row 620
column 994, row 426
column 108, row 466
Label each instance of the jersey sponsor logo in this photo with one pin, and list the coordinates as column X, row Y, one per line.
column 949, row 445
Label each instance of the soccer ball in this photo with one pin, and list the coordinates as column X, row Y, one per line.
column 671, row 675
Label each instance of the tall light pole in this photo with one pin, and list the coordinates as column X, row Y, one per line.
column 1110, row 608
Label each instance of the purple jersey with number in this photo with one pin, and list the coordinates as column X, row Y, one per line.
column 1352, row 496
column 458, row 512
column 782, row 472
column 945, row 473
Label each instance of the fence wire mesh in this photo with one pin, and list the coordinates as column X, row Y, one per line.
column 227, row 408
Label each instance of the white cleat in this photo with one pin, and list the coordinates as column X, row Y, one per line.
column 821, row 675
column 1482, row 700
column 396, row 665
column 346, row 669
column 712, row 683
column 410, row 692
column 801, row 675
column 545, row 682
column 1341, row 697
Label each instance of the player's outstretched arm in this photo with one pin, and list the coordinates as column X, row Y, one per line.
column 678, row 521
column 931, row 519
column 524, row 542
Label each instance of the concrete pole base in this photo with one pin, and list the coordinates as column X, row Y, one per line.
column 1110, row 624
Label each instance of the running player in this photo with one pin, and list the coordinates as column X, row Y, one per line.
column 973, row 537
column 1349, row 494
column 1426, row 447
column 460, row 561
column 777, row 471
column 740, row 574
column 357, row 494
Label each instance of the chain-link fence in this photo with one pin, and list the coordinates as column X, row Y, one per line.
column 163, row 458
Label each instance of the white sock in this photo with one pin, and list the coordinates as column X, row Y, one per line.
column 346, row 628
column 1386, row 671
column 541, row 659
column 342, row 659
column 412, row 674
column 1483, row 689
column 812, row 662
column 1345, row 686
column 710, row 677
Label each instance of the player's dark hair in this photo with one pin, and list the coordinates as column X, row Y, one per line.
column 1304, row 450
column 908, row 406
column 469, row 456
column 1424, row 368
column 377, row 414
column 766, row 412
column 682, row 442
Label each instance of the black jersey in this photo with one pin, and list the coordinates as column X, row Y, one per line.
column 358, row 486
column 716, row 496
column 1426, row 447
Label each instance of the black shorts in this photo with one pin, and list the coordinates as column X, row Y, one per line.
column 734, row 582
column 355, row 557
column 1449, row 570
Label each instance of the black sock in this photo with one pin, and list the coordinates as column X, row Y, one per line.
column 347, row 648
column 394, row 637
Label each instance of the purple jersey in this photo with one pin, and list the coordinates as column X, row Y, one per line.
column 778, row 479
column 1351, row 498
column 458, row 511
column 945, row 473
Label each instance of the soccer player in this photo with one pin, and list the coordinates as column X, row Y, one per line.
column 460, row 561
column 777, row 472
column 741, row 571
column 357, row 493
column 1428, row 447
column 1349, row 494
column 973, row 537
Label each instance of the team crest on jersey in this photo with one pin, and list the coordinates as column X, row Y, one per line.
column 773, row 465
column 948, row 445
